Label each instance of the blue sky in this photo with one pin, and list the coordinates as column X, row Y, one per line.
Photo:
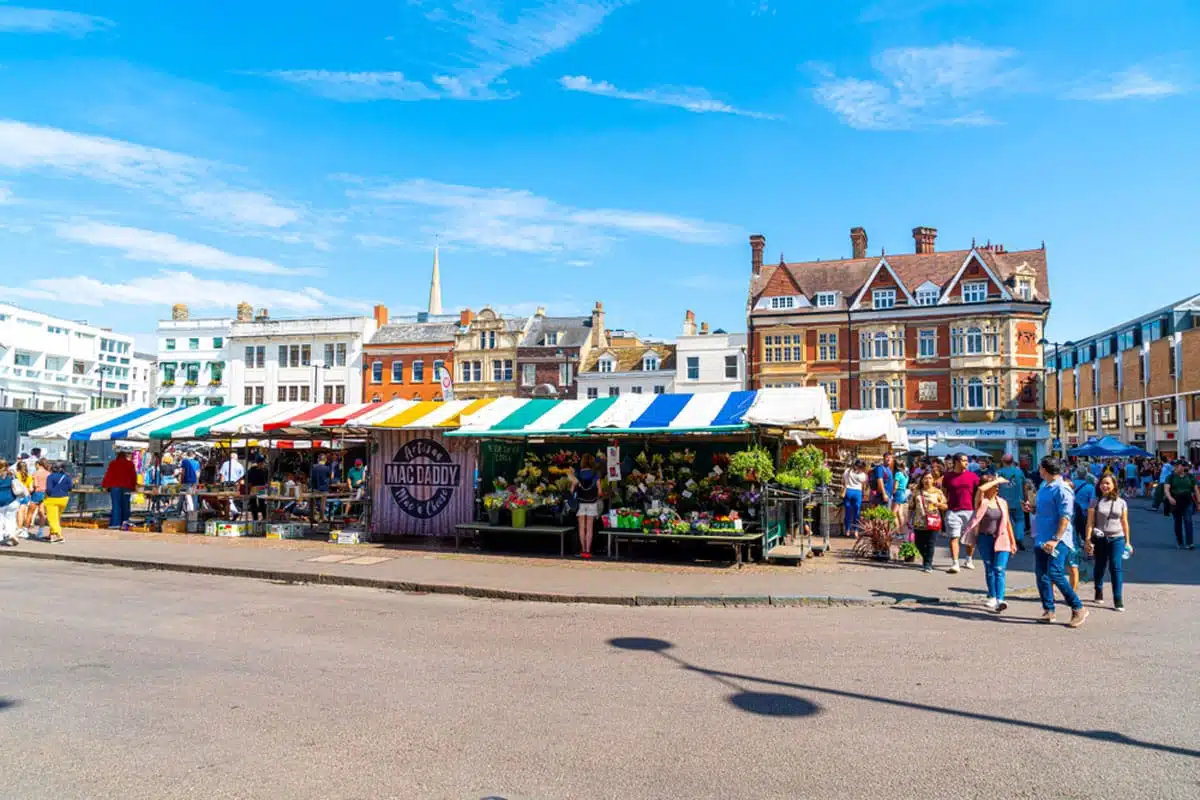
column 305, row 157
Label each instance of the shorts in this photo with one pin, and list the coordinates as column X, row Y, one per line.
column 588, row 510
column 37, row 498
column 1132, row 483
column 957, row 522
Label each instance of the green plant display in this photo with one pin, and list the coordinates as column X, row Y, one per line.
column 879, row 514
column 754, row 465
column 908, row 552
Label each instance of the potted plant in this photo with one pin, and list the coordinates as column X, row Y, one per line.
column 876, row 530
column 753, row 465
column 908, row 552
column 493, row 503
column 519, row 504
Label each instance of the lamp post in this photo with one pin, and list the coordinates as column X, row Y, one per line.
column 101, row 369
column 1058, row 350
column 317, row 367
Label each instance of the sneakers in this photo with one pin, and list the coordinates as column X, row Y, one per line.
column 927, row 569
column 1077, row 618
column 1099, row 595
column 970, row 564
column 1119, row 605
column 55, row 538
column 991, row 604
column 22, row 533
column 1001, row 607
column 1047, row 616
column 953, row 568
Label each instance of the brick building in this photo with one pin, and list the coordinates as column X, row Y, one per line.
column 947, row 340
column 485, row 354
column 1139, row 381
column 551, row 352
column 401, row 361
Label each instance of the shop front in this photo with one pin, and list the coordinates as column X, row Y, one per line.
column 995, row 438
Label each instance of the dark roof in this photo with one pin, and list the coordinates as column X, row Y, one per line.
column 629, row 357
column 572, row 331
column 414, row 332
column 847, row 276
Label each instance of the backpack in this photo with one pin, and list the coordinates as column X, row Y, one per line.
column 588, row 491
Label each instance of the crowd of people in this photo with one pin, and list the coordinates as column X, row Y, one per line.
column 1062, row 512
column 34, row 492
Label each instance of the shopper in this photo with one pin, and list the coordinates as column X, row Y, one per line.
column 1013, row 492
column 38, row 499
column 27, row 510
column 900, row 498
column 1053, row 513
column 1182, row 497
column 1108, row 522
column 320, row 477
column 585, row 483
column 927, row 505
column 960, row 486
column 58, row 494
column 232, row 470
column 883, row 481
column 189, row 478
column 120, row 479
column 991, row 532
column 1084, row 486
column 9, row 505
column 256, row 481
column 854, row 480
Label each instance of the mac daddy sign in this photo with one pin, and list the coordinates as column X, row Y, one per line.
column 422, row 478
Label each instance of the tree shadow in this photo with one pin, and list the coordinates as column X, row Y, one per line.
column 661, row 646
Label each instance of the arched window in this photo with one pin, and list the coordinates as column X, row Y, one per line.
column 881, row 345
column 974, row 341
column 975, row 393
column 883, row 394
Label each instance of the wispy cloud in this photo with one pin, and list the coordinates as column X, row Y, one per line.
column 253, row 208
column 919, row 86
column 168, row 286
column 694, row 99
column 1135, row 83
column 375, row 240
column 136, row 244
column 520, row 221
column 6, row 195
column 17, row 19
column 353, row 87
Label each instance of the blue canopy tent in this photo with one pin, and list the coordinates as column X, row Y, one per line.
column 1108, row 447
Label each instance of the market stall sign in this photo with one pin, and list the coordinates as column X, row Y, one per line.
column 422, row 478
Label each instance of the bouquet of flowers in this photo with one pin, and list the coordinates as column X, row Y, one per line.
column 563, row 459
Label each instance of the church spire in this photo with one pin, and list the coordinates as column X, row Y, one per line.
column 435, row 286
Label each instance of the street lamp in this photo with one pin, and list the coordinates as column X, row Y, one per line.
column 101, row 368
column 1058, row 349
column 317, row 367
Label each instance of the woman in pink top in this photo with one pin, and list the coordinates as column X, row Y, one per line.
column 990, row 530
column 38, row 498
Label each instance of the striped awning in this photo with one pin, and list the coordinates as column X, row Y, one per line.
column 63, row 428
column 428, row 415
column 119, row 427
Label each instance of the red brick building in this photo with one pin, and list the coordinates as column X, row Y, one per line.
column 948, row 340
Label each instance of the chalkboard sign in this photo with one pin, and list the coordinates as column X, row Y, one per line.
column 499, row 460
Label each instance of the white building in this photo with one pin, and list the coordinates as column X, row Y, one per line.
column 625, row 364
column 143, row 380
column 192, row 356
column 709, row 362
column 50, row 363
column 288, row 360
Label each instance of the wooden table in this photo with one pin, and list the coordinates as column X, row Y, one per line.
column 740, row 542
column 544, row 530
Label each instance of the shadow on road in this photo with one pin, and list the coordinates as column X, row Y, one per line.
column 661, row 646
column 970, row 614
column 7, row 703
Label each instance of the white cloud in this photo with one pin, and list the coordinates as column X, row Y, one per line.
column 6, row 195
column 167, row 287
column 16, row 19
column 519, row 221
column 919, row 86
column 1135, row 83
column 237, row 206
column 136, row 244
column 694, row 99
column 375, row 240
column 354, row 86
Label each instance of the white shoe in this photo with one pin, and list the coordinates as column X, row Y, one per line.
column 22, row 533
column 953, row 568
column 991, row 604
column 970, row 564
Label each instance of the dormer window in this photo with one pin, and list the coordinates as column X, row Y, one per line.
column 975, row 292
column 605, row 364
column 927, row 297
column 650, row 363
column 783, row 302
column 882, row 299
column 552, row 338
column 1024, row 289
column 826, row 299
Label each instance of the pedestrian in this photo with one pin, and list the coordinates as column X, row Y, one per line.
column 1084, row 487
column 1053, row 514
column 257, row 479
column 883, row 481
column 990, row 531
column 27, row 510
column 356, row 476
column 1160, row 497
column 35, row 455
column 1182, row 497
column 939, row 472
column 232, row 470
column 585, row 483
column 120, row 479
column 1013, row 492
column 854, row 480
column 1108, row 522
column 320, row 477
column 189, row 478
column 9, row 505
column 38, row 498
column 960, row 485
column 900, row 497
column 927, row 505
column 58, row 494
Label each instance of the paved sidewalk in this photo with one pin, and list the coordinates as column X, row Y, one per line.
column 835, row 579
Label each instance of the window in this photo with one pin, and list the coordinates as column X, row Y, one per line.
column 974, row 341
column 614, row 391
column 1109, row 417
column 78, row 368
column 502, row 370
column 693, row 368
column 528, row 374
column 826, row 299
column 882, row 394
column 168, row 374
column 190, row 402
column 881, row 348
column 976, row 393
column 335, row 394
column 551, row 338
column 881, row 345
column 377, row 372
column 605, row 365
column 831, row 392
column 783, row 348
column 437, row 371
column 883, row 299
column 487, row 340
column 927, row 391
column 397, row 372
column 731, row 368
column 1024, row 289
column 260, row 356
column 193, row 344
column 1116, row 374
column 927, row 343
column 827, row 349
column 783, row 302
column 218, row 342
column 339, row 355
column 1142, row 368
column 306, row 355
column 418, row 372
column 249, row 358
column 1152, row 331
column 1171, row 360
column 566, row 374
column 659, row 389
column 975, row 292
column 466, row 372
column 283, row 356
column 650, row 363
column 167, row 402
column 282, row 394
column 476, row 371
column 216, row 370
column 170, row 344
column 592, row 393
column 305, row 395
column 1135, row 415
column 927, row 297
column 636, row 390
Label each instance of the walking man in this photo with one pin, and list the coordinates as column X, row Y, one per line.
column 1052, row 522
column 1013, row 493
column 959, row 485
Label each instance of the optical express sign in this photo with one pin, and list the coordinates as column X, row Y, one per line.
column 979, row 432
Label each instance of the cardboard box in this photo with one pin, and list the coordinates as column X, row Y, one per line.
column 174, row 526
column 217, row 527
column 286, row 530
column 348, row 537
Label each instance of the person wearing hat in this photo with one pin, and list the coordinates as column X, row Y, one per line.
column 990, row 532
column 357, row 476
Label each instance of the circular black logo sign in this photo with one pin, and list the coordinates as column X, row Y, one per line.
column 422, row 478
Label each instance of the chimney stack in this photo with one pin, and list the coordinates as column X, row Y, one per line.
column 858, row 242
column 263, row 315
column 704, row 329
column 758, row 243
column 179, row 312
column 924, row 239
column 465, row 317
column 689, row 324
column 598, row 337
column 540, row 311
column 245, row 312
column 381, row 315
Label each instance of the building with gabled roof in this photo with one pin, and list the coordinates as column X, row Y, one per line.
column 551, row 351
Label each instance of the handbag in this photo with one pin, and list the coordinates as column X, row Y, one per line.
column 933, row 521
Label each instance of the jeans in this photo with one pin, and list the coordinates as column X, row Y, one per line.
column 1111, row 553
column 1184, row 530
column 1051, row 572
column 925, row 543
column 994, row 565
column 1018, row 526
column 121, row 500
column 853, row 505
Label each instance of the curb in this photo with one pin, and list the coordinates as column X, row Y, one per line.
column 484, row 593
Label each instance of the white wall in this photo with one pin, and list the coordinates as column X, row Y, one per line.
column 314, row 333
column 181, row 332
column 625, row 382
column 710, row 350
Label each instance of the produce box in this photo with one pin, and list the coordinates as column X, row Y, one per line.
column 174, row 526
column 286, row 530
column 217, row 527
column 348, row 537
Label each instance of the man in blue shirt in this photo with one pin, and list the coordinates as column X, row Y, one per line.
column 883, row 482
column 1052, row 520
column 189, row 476
column 1013, row 493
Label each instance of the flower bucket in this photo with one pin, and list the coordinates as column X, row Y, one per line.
column 493, row 516
column 518, row 517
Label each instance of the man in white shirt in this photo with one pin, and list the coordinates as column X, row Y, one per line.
column 232, row 470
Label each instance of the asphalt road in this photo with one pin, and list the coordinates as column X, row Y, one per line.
column 126, row 684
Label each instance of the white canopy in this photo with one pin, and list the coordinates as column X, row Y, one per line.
column 868, row 426
column 791, row 408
